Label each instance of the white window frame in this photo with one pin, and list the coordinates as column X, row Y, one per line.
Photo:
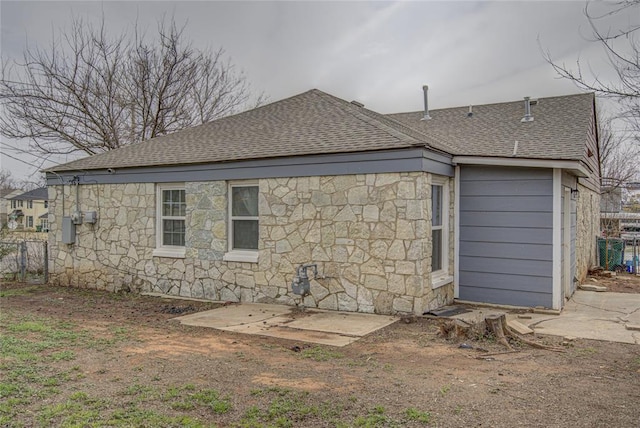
column 29, row 222
column 161, row 250
column 442, row 276
column 44, row 224
column 29, row 204
column 233, row 255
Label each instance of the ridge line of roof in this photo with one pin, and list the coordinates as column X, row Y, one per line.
column 398, row 129
column 351, row 109
column 582, row 94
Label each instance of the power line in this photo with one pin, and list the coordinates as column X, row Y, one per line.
column 20, row 160
column 17, row 150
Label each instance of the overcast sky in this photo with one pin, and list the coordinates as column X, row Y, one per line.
column 378, row 53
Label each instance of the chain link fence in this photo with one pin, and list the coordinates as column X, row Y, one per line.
column 24, row 261
column 611, row 253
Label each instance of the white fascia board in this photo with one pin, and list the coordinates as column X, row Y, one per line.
column 557, row 240
column 456, row 233
column 574, row 166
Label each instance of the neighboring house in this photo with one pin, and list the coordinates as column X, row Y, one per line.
column 610, row 207
column 5, row 204
column 29, row 209
column 400, row 214
column 611, row 199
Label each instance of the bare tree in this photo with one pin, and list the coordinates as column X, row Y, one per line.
column 618, row 156
column 91, row 92
column 619, row 166
column 7, row 182
column 622, row 48
column 32, row 183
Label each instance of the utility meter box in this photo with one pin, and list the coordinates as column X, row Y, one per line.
column 76, row 217
column 90, row 217
column 68, row 231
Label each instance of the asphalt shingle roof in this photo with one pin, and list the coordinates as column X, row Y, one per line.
column 559, row 129
column 318, row 123
column 310, row 123
column 40, row 194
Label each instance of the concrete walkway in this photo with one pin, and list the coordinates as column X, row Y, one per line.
column 613, row 317
column 286, row 322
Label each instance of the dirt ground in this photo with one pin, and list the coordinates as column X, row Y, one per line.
column 622, row 282
column 402, row 375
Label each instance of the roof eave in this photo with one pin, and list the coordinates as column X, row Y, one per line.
column 574, row 166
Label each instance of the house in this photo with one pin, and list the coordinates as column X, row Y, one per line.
column 5, row 204
column 610, row 207
column 376, row 213
column 29, row 210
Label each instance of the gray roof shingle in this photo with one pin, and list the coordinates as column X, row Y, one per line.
column 559, row 129
column 39, row 194
column 310, row 123
column 318, row 123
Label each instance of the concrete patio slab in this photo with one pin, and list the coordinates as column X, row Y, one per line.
column 346, row 323
column 592, row 315
column 234, row 314
column 314, row 325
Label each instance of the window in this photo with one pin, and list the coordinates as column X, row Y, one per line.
column 243, row 223
column 171, row 213
column 29, row 221
column 436, row 227
column 14, row 204
column 29, row 205
column 46, row 204
column 20, row 204
column 44, row 225
column 440, row 233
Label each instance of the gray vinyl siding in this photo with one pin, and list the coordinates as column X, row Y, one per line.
column 506, row 242
column 591, row 146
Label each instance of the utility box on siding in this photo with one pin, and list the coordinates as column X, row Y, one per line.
column 68, row 231
column 90, row 217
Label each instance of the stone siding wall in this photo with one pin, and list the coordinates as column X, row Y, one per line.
column 369, row 235
column 588, row 230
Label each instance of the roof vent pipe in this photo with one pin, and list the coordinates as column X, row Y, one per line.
column 470, row 111
column 425, row 89
column 528, row 117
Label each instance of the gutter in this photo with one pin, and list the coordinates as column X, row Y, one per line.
column 575, row 167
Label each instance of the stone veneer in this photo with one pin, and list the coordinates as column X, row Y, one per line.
column 588, row 230
column 369, row 235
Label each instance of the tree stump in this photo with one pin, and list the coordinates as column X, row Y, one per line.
column 497, row 324
column 454, row 329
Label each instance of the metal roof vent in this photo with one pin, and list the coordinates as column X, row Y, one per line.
column 528, row 117
column 426, row 116
column 356, row 103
